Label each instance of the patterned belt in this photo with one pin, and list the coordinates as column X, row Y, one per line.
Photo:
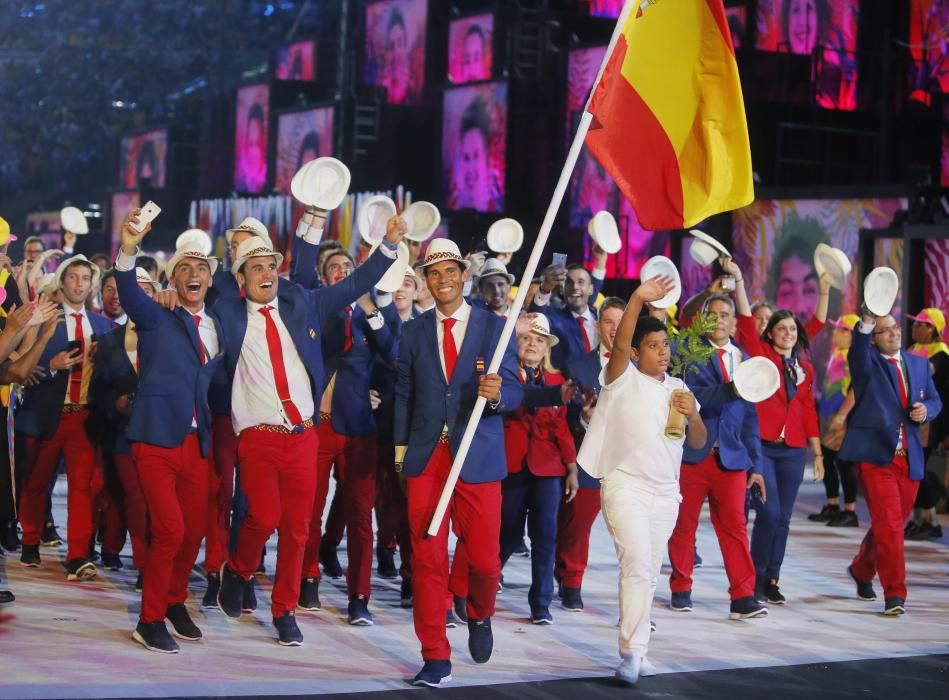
column 74, row 408
column 899, row 453
column 325, row 415
column 280, row 430
column 443, row 438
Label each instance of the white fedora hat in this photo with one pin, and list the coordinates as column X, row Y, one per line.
column 254, row 248
column 80, row 258
column 196, row 239
column 442, row 249
column 756, row 379
column 661, row 266
column 605, row 233
column 410, row 273
column 322, row 183
column 373, row 217
column 834, row 262
column 249, row 225
column 705, row 238
column 395, row 275
column 73, row 220
column 505, row 236
column 422, row 218
column 187, row 252
column 141, row 275
column 538, row 323
column 880, row 289
column 492, row 267
column 702, row 253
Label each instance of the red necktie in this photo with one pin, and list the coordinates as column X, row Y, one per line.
column 606, row 355
column 275, row 348
column 904, row 399
column 583, row 332
column 348, row 338
column 197, row 326
column 721, row 361
column 75, row 375
column 449, row 347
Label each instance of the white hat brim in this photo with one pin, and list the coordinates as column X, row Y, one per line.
column 239, row 263
column 756, row 379
column 322, row 183
column 661, row 266
column 834, row 263
column 604, row 231
column 393, row 278
column 181, row 255
column 505, row 236
column 422, row 218
column 373, row 217
column 74, row 221
column 880, row 290
column 702, row 236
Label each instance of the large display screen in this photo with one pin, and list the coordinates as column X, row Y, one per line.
column 301, row 137
column 395, row 48
column 296, row 61
column 929, row 47
column 250, row 138
column 144, row 157
column 474, row 143
column 604, row 8
column 121, row 204
column 471, row 49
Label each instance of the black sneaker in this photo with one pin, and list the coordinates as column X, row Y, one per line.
column 864, row 589
column 80, row 570
column 385, row 563
column 894, row 607
column 746, row 608
column 921, row 533
column 181, row 623
column 759, row 592
column 460, row 606
column 845, row 518
column 697, row 562
column 542, row 616
column 9, row 537
column 230, row 596
column 261, row 569
column 681, row 601
column 249, row 602
column 309, row 594
column 433, row 674
column 30, row 556
column 288, row 633
column 139, row 582
column 111, row 562
column 6, row 597
column 909, row 528
column 480, row 640
column 154, row 637
column 359, row 614
column 405, row 594
column 50, row 537
column 210, row 595
column 330, row 562
column 936, row 532
column 827, row 513
column 571, row 600
column 450, row 621
column 773, row 594
column 521, row 550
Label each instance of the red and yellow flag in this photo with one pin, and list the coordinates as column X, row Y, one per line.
column 668, row 118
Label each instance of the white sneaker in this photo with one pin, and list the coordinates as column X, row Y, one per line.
column 646, row 669
column 628, row 671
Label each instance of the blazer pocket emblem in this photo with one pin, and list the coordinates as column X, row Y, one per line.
column 312, row 334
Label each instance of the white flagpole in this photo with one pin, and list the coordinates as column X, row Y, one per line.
column 528, row 276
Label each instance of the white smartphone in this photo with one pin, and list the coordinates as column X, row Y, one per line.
column 147, row 215
column 559, row 260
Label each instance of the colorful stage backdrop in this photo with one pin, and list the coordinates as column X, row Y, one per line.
column 144, row 156
column 297, row 61
column 395, row 48
column 120, row 204
column 929, row 47
column 936, row 274
column 301, row 137
column 471, row 49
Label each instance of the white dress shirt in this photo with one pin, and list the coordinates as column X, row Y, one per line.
column 120, row 320
column 589, row 324
column 87, row 334
column 731, row 359
column 461, row 315
column 254, row 399
column 899, row 367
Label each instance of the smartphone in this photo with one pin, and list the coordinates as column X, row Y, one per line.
column 73, row 345
column 728, row 284
column 478, row 245
column 147, row 215
column 559, row 260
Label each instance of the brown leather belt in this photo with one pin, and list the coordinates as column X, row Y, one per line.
column 443, row 438
column 74, row 408
column 280, row 430
column 325, row 415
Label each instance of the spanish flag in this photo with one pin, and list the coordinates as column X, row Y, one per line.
column 668, row 118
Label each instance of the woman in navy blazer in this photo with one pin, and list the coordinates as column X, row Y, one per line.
column 540, row 453
column 788, row 425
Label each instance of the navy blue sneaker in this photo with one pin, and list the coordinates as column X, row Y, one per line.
column 154, row 637
column 571, row 599
column 230, row 596
column 182, row 625
column 111, row 562
column 405, row 594
column 330, row 562
column 542, row 616
column 461, row 608
column 480, row 639
column 309, row 594
column 697, row 562
column 359, row 614
column 681, row 602
column 521, row 550
column 894, row 607
column 433, row 674
column 450, row 621
column 288, row 634
column 864, row 588
column 746, row 608
column 210, row 594
column 249, row 601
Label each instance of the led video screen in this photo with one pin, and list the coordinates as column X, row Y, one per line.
column 605, row 8
column 144, row 157
column 395, row 48
column 297, row 61
column 929, row 47
column 471, row 49
column 737, row 25
column 301, row 137
column 250, row 138
column 121, row 203
column 474, row 142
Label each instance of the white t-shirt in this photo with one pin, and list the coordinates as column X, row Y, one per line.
column 627, row 432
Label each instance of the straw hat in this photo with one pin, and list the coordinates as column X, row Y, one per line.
column 493, row 267
column 61, row 270
column 248, row 225
column 254, row 248
column 442, row 249
column 879, row 290
column 538, row 323
column 141, row 275
column 73, row 220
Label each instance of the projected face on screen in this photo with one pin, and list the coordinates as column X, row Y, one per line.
column 301, row 137
column 122, row 204
column 143, row 158
column 395, row 48
column 250, row 147
column 470, row 49
column 474, row 134
column 297, row 61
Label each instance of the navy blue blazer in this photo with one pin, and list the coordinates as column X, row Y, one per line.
column 173, row 382
column 113, row 376
column 873, row 424
column 584, row 370
column 565, row 327
column 303, row 312
column 425, row 402
column 383, row 377
column 38, row 415
column 728, row 418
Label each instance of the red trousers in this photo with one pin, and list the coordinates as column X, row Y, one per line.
column 84, row 476
column 574, row 524
column 392, row 516
column 135, row 510
column 725, row 490
column 223, row 458
column 336, row 518
column 476, row 510
column 279, row 480
column 355, row 456
column 175, row 483
column 890, row 494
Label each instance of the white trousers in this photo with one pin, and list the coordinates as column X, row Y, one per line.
column 640, row 524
